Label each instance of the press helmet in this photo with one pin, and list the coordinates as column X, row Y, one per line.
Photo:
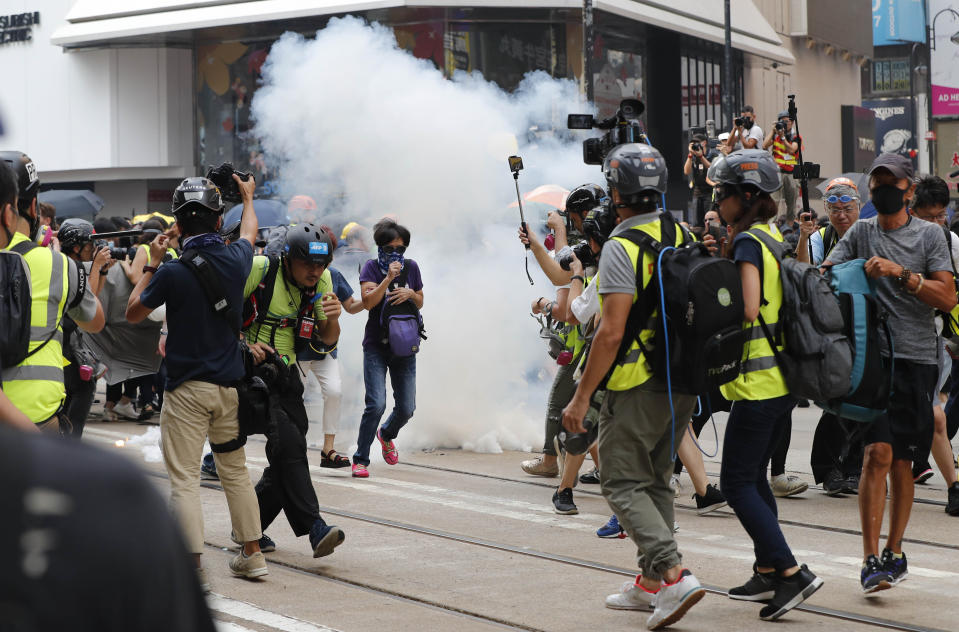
column 754, row 167
column 195, row 196
column 308, row 242
column 28, row 178
column 585, row 198
column 75, row 232
column 635, row 170
column 599, row 223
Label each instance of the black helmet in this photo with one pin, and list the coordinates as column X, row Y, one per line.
column 28, row 179
column 196, row 195
column 634, row 169
column 308, row 242
column 75, row 232
column 754, row 167
column 585, row 198
column 599, row 222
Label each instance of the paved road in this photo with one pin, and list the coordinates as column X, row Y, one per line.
column 451, row 540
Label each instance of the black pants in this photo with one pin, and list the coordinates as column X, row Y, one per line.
column 777, row 463
column 79, row 399
column 129, row 389
column 828, row 444
column 286, row 485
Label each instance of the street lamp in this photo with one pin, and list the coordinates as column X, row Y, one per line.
column 932, row 29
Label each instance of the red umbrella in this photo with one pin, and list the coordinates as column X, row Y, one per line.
column 549, row 194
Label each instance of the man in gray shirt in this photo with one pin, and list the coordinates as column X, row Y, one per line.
column 909, row 260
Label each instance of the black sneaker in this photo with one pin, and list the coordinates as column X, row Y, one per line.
column 208, row 468
column 790, row 592
column 835, row 484
column 873, row 576
column 563, row 502
column 897, row 567
column 591, row 477
column 851, row 484
column 712, row 500
column 760, row 587
column 921, row 473
column 952, row 505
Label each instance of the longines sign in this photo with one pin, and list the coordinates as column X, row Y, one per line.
column 18, row 27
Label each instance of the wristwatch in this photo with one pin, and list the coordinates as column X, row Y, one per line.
column 904, row 276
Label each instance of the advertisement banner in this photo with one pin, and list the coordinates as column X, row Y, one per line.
column 945, row 59
column 893, row 125
column 897, row 21
column 858, row 137
column 947, row 152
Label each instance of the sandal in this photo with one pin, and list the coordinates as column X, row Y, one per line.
column 333, row 459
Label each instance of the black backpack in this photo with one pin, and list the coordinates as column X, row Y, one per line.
column 702, row 336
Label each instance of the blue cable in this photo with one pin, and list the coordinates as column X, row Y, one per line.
column 669, row 381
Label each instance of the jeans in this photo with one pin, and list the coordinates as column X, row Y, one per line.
column 376, row 362
column 752, row 434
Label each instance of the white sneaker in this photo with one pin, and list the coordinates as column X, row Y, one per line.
column 202, row 578
column 126, row 411
column 784, row 486
column 631, row 597
column 675, row 485
column 674, row 600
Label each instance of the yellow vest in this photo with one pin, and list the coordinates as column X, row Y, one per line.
column 35, row 386
column 760, row 377
column 169, row 251
column 634, row 369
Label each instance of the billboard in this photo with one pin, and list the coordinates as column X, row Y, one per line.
column 945, row 59
column 893, row 125
column 947, row 152
column 898, row 21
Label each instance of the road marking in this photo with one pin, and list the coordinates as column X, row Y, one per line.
column 255, row 614
column 228, row 626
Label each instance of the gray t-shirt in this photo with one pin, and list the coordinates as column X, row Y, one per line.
column 917, row 245
column 615, row 266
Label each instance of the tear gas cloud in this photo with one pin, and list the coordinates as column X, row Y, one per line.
column 367, row 130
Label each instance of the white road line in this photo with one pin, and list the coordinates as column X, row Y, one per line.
column 255, row 614
column 228, row 626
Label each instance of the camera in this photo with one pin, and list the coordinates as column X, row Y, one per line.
column 739, row 121
column 696, row 147
column 578, row 443
column 222, row 177
column 623, row 127
column 583, row 252
column 120, row 254
column 780, row 127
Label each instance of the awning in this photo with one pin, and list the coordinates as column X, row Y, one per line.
column 105, row 23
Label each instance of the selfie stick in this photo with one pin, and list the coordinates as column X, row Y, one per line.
column 522, row 219
column 803, row 180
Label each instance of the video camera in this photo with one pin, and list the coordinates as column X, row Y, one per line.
column 623, row 126
column 222, row 177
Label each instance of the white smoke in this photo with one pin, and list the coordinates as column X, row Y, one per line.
column 369, row 130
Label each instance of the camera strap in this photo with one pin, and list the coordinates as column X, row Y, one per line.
column 212, row 286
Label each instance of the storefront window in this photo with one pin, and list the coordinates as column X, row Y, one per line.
column 503, row 53
column 618, row 71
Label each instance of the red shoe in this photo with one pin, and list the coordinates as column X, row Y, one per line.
column 389, row 450
column 360, row 471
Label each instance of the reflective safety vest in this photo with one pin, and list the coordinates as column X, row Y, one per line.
column 35, row 386
column 169, row 251
column 786, row 161
column 633, row 369
column 760, row 377
column 576, row 339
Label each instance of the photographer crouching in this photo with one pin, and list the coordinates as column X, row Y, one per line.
column 204, row 361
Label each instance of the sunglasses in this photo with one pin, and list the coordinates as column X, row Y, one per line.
column 391, row 249
column 845, row 199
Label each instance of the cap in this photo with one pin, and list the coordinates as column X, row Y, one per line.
column 897, row 164
column 784, row 114
column 842, row 186
column 723, row 137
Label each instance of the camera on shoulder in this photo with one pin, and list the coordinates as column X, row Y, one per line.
column 222, row 177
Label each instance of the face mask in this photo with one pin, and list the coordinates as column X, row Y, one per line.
column 385, row 259
column 887, row 199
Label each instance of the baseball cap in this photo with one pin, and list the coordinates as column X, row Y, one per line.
column 784, row 114
column 723, row 137
column 897, row 164
column 842, row 186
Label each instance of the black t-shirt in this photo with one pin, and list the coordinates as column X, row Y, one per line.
column 200, row 344
column 91, row 545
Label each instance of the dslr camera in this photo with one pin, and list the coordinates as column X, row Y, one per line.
column 583, row 252
column 622, row 127
column 780, row 127
column 222, row 177
column 120, row 254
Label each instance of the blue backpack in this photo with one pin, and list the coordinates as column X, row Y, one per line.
column 867, row 328
column 402, row 325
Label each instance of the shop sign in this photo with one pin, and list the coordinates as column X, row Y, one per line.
column 18, row 27
column 897, row 21
column 893, row 125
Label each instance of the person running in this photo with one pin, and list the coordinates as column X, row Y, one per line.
column 762, row 404
column 635, row 422
column 386, row 282
column 910, row 262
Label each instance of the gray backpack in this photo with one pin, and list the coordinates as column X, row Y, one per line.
column 817, row 356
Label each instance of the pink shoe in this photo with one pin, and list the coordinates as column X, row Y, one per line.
column 360, row 471
column 389, row 450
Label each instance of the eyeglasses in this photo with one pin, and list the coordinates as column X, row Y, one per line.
column 843, row 211
column 845, row 199
column 931, row 218
column 391, row 249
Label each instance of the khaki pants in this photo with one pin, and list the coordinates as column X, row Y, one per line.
column 191, row 413
column 787, row 194
column 636, row 452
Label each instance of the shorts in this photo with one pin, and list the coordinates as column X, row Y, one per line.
column 908, row 424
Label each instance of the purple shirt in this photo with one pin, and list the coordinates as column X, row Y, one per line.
column 371, row 273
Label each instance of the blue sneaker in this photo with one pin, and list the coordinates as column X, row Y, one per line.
column 611, row 529
column 267, row 545
column 324, row 538
column 897, row 567
column 873, row 576
column 208, row 468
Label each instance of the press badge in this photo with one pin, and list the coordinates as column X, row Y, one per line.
column 306, row 327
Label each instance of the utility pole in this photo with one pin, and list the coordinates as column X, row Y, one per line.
column 588, row 48
column 728, row 80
